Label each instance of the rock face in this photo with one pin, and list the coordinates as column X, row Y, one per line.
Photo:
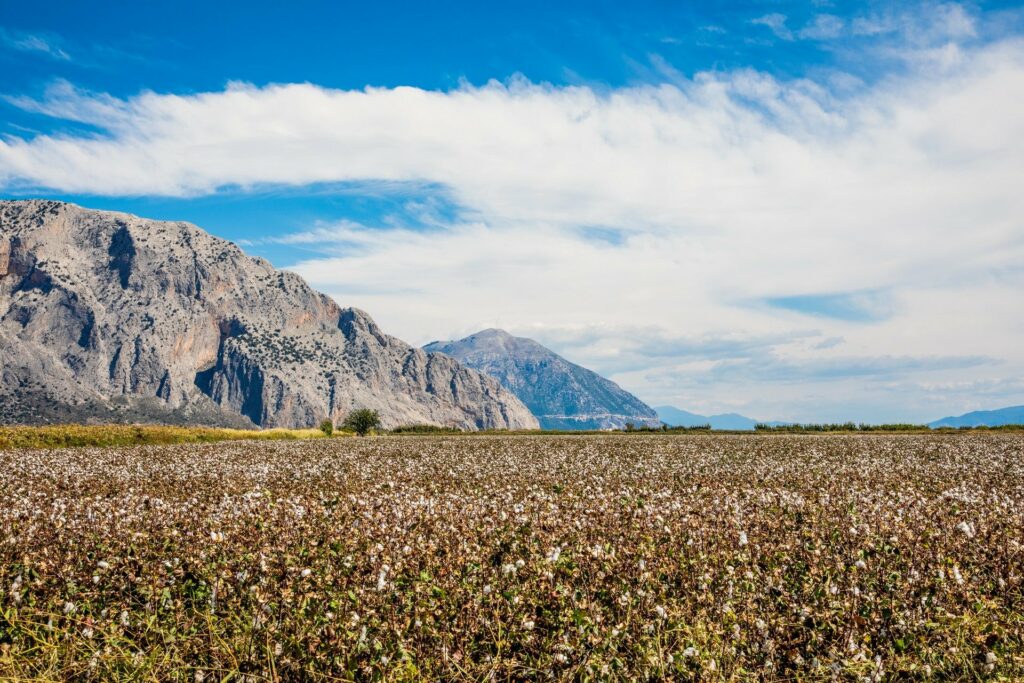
column 561, row 394
column 106, row 316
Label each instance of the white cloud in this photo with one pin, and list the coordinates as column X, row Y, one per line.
column 824, row 27
column 777, row 23
column 721, row 191
column 929, row 23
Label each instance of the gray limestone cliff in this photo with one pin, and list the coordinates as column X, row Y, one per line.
column 107, row 316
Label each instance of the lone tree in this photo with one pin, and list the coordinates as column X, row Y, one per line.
column 327, row 427
column 362, row 420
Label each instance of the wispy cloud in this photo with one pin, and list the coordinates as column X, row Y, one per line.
column 842, row 387
column 657, row 341
column 823, row 27
column 927, row 24
column 861, row 306
column 779, row 369
column 775, row 22
column 614, row 349
column 344, row 236
column 911, row 28
column 38, row 43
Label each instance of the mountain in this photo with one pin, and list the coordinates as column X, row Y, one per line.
column 674, row 417
column 1013, row 415
column 107, row 316
column 561, row 394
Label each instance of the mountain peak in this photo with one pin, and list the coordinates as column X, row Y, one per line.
column 493, row 332
column 561, row 394
column 492, row 335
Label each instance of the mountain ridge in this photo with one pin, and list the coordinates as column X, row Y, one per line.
column 562, row 394
column 109, row 316
column 677, row 417
column 1011, row 415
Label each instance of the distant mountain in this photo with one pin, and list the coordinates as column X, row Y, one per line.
column 1013, row 415
column 107, row 316
column 561, row 394
column 674, row 417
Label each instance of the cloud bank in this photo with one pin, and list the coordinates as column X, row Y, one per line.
column 730, row 205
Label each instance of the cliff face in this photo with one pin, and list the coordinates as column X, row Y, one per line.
column 561, row 394
column 105, row 315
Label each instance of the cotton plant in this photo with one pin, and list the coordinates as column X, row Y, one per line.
column 661, row 558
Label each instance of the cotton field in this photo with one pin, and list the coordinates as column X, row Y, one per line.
column 869, row 557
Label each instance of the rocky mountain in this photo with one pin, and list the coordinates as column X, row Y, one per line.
column 1014, row 415
column 107, row 316
column 561, row 394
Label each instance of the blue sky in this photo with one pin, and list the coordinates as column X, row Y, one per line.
column 123, row 47
column 796, row 210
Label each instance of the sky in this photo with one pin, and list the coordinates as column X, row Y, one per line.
column 806, row 211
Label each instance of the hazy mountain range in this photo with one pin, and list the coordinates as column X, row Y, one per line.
column 675, row 417
column 731, row 421
column 561, row 394
column 1013, row 415
column 107, row 316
